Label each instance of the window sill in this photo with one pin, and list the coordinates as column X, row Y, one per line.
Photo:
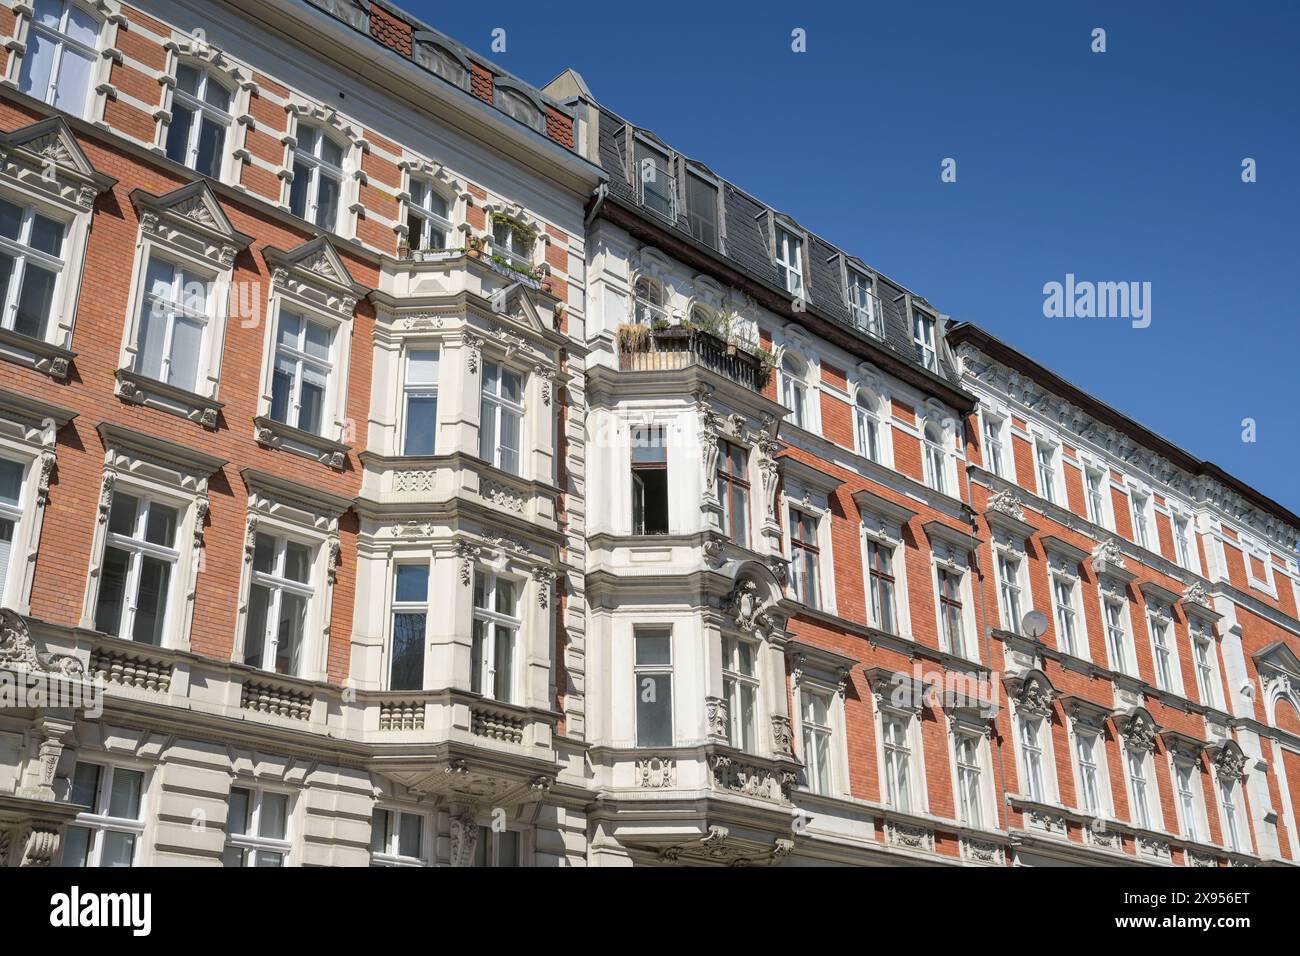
column 272, row 434
column 44, row 357
column 136, row 389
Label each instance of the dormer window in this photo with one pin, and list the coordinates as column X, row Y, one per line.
column 789, row 261
column 428, row 218
column 317, row 178
column 516, row 104
column 923, row 340
column 439, row 60
column 655, row 180
column 702, row 209
column 61, row 55
column 196, row 135
column 864, row 304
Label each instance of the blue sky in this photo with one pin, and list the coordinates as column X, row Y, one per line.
column 1120, row 166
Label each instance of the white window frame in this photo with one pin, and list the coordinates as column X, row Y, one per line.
column 278, row 585
column 1253, row 548
column 397, row 608
column 819, row 599
column 827, row 733
column 1127, row 648
column 1047, row 473
column 429, row 220
column 661, row 671
column 995, row 434
column 938, row 470
column 1160, row 623
column 419, row 390
column 1189, row 804
column 735, row 683
column 788, row 256
column 492, row 619
column 963, row 735
column 925, row 339
column 59, row 37
column 499, row 407
column 508, row 245
column 137, row 549
column 1183, row 531
column 887, row 750
column 1104, row 808
column 1101, row 517
column 213, row 299
column 1234, row 824
column 1208, row 683
column 201, row 110
column 1012, row 588
column 1033, row 739
column 317, row 168
column 795, row 390
column 491, row 846
column 864, row 306
column 98, row 821
column 867, row 421
column 252, row 844
column 887, row 537
column 968, row 651
column 26, row 517
column 21, row 253
column 1143, row 813
column 391, row 855
column 1142, row 515
column 1074, row 609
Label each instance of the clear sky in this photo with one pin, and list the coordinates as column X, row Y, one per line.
column 1122, row 166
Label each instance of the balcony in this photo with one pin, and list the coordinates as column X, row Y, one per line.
column 641, row 349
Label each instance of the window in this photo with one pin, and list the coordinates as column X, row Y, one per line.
column 740, row 688
column 815, row 717
column 31, row 263
column 420, row 395
column 1047, row 471
column 702, row 209
column 1067, row 627
column 110, row 830
column 1086, row 747
column 496, row 627
column 1141, row 531
column 805, row 555
column 62, row 52
column 950, row 612
column 649, row 480
column 968, row 779
column 1031, row 752
column 653, row 669
column 278, row 601
column 257, row 828
column 880, row 575
column 300, row 382
column 12, row 475
column 1161, row 649
column 868, row 428
column 514, row 242
column 1185, row 783
column 936, row 459
column 733, row 490
column 864, row 305
column 502, row 417
column 658, row 187
column 410, row 611
column 923, row 340
column 173, row 321
column 1009, row 591
column 396, row 838
column 1231, row 823
column 794, row 391
column 1137, row 775
column 994, row 451
column 789, row 261
column 1183, row 542
column 317, row 178
column 1096, row 482
column 428, row 218
column 1204, row 651
column 496, row 848
column 196, row 135
column 648, row 302
column 898, row 761
column 139, row 563
column 1116, row 633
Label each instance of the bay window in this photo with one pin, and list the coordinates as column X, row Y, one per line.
column 200, row 122
column 279, row 602
column 138, row 568
column 62, row 52
column 740, row 690
column 31, row 265
column 495, row 633
column 653, row 670
column 173, row 322
column 317, row 183
column 109, row 831
column 409, row 614
column 649, row 480
column 303, row 367
column 257, row 828
column 501, row 417
column 733, row 492
column 420, row 402
column 397, row 838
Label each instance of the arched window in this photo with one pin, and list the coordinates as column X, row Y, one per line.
column 794, row 389
column 649, row 304
column 62, row 52
column 936, row 458
column 428, row 217
column 196, row 135
column 868, row 425
column 317, row 178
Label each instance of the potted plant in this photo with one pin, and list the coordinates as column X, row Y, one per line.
column 632, row 337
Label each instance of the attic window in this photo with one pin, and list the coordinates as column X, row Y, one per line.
column 355, row 13
column 653, row 171
column 516, row 104
column 441, row 61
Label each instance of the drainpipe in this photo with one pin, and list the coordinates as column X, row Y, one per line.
column 598, row 197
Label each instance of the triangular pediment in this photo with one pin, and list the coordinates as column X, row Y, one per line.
column 193, row 203
column 52, row 140
column 1278, row 656
column 319, row 258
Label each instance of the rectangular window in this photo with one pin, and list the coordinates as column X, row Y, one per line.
column 950, row 612
column 702, row 209
column 1185, row 783
column 1137, row 774
column 923, row 340
column 1031, row 751
column 31, row 263
column 396, row 838
column 898, row 762
column 655, row 174
column 733, row 492
column 501, row 417
column 1116, row 637
column 649, row 480
column 200, row 117
column 968, row 779
column 1231, row 825
column 257, row 828
column 138, row 566
column 278, row 603
column 789, row 261
column 1183, row 542
column 496, row 632
column 428, row 218
column 110, row 830
column 496, row 848
column 1047, row 472
column 936, row 459
column 805, row 556
column 653, row 669
column 410, row 612
column 420, row 394
column 1067, row 628
column 317, row 181
column 173, row 320
column 514, row 242
column 1141, row 532
column 868, row 425
column 864, row 305
column 12, row 476
column 794, row 392
column 1204, row 650
column 740, row 688
column 1086, row 745
column 303, row 364
column 815, row 710
column 1096, row 481
column 62, row 50
column 994, row 453
column 1009, row 591
column 880, row 574
column 1161, row 649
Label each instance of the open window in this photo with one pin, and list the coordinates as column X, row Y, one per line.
column 649, row 480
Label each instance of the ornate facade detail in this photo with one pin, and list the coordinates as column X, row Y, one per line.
column 1035, row 697
column 501, row 496
column 1230, row 763
column 250, row 538
column 464, row 838
column 1196, row 594
column 980, row 851
column 18, row 651
column 40, row 845
column 1047, row 822
column 333, row 549
column 1200, row 859
column 656, row 773
column 1108, row 554
column 1008, row 503
column 496, row 725
column 715, row 710
column 131, row 670
column 1140, row 732
column 202, row 506
column 750, row 779
column 782, row 736
column 545, row 578
column 909, row 837
column 747, row 608
column 401, row 715
column 473, row 351
column 719, row 847
column 467, row 554
column 106, row 494
column 272, row 699
column 768, row 468
column 412, row 480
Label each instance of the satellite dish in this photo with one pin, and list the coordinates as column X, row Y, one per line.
column 1034, row 624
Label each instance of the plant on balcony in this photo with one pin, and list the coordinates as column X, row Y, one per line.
column 632, row 337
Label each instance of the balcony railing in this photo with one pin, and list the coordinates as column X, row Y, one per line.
column 679, row 347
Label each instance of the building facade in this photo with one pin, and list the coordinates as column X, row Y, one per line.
column 404, row 465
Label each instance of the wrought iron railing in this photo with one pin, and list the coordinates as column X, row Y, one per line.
column 680, row 347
